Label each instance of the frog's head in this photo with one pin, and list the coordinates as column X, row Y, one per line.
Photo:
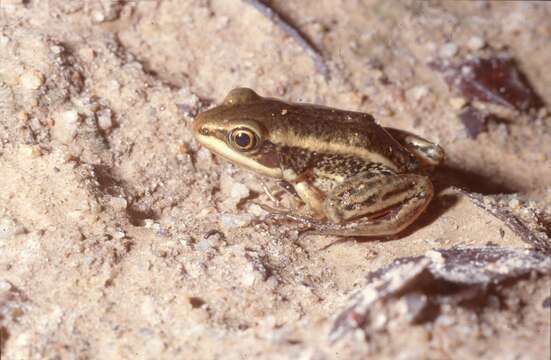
column 233, row 131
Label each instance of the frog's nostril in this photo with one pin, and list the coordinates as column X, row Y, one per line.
column 204, row 131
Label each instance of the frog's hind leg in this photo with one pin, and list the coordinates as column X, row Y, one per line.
column 429, row 153
column 382, row 205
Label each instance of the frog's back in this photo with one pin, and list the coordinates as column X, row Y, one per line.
column 328, row 130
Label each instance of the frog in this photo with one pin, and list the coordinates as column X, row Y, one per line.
column 352, row 176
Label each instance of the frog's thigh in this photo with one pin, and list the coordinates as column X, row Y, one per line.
column 400, row 198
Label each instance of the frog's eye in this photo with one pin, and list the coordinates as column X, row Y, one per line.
column 243, row 139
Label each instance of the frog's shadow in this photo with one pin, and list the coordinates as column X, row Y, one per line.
column 444, row 178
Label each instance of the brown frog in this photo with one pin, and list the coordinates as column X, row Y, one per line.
column 356, row 177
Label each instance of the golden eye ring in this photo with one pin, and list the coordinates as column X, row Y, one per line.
column 243, row 139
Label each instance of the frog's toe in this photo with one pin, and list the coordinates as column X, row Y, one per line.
column 273, row 210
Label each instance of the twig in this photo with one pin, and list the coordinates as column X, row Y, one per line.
column 510, row 220
column 294, row 33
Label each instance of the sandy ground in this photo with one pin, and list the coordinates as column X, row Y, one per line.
column 122, row 238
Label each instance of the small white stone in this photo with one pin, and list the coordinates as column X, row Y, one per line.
column 514, row 204
column 448, row 50
column 118, row 235
column 70, row 117
column 98, row 16
column 203, row 245
column 9, row 228
column 430, row 46
column 222, row 22
column 230, row 221
column 31, row 80
column 476, row 43
column 157, row 229
column 105, row 121
column 30, row 151
column 5, row 286
column 467, row 70
column 4, row 40
column 435, row 256
column 239, row 191
column 458, row 102
column 185, row 240
column 148, row 223
column 418, row 92
column 212, row 241
column 24, row 117
column 257, row 211
column 118, row 203
column 115, row 85
column 87, row 54
column 56, row 49
column 204, row 156
column 66, row 125
column 250, row 276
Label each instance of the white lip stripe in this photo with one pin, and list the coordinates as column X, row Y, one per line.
column 219, row 147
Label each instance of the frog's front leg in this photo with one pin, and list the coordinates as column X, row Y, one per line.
column 375, row 205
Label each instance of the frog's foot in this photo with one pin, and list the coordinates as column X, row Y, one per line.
column 274, row 211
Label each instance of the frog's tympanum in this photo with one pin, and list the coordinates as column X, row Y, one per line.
column 355, row 177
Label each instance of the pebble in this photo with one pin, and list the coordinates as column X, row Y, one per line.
column 105, row 119
column 251, row 276
column 458, row 102
column 87, row 54
column 4, row 40
column 239, row 191
column 230, row 221
column 118, row 235
column 448, row 50
column 5, row 286
column 436, row 257
column 31, row 80
column 204, row 157
column 66, row 125
column 257, row 211
column 185, row 240
column 115, row 85
column 98, row 16
column 9, row 228
column 30, row 151
column 212, row 241
column 70, row 117
column 418, row 92
column 118, row 203
column 148, row 223
column 476, row 43
column 23, row 116
column 56, row 49
column 203, row 245
column 514, row 204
